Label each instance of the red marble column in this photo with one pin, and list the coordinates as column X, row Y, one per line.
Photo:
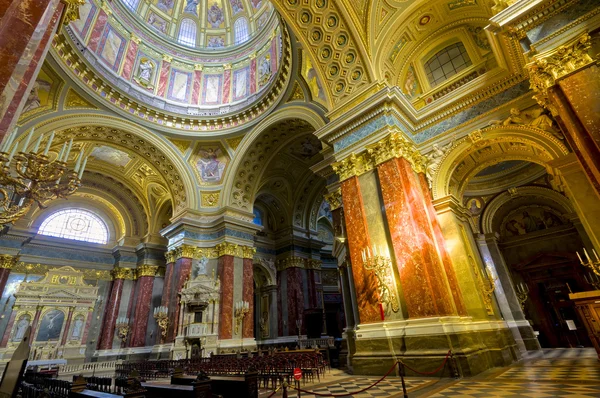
column 441, row 246
column 142, row 311
column 365, row 283
column 112, row 313
column 248, row 295
column 25, row 32
column 86, row 330
column 295, row 300
column 225, row 269
column 280, row 275
column 9, row 327
column 130, row 59
column 67, row 326
column 183, row 268
column 4, row 273
column 422, row 273
column 312, row 288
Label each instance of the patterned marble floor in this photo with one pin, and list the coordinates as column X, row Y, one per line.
column 547, row 373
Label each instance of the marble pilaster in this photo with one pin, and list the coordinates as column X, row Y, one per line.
column 225, row 270
column 145, row 283
column 8, row 329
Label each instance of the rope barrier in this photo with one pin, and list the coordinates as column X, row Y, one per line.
column 448, row 355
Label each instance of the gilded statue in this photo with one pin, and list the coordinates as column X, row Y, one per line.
column 535, row 117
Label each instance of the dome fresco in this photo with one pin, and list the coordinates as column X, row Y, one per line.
column 154, row 67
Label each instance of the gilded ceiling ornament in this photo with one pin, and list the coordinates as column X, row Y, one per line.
column 146, row 270
column 334, row 199
column 74, row 101
column 235, row 142
column 210, row 199
column 297, row 93
column 181, row 145
column 552, row 65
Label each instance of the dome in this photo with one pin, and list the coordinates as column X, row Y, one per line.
column 201, row 59
column 205, row 24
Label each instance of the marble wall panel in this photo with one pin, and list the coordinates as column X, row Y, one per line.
column 87, row 12
column 365, row 283
column 241, row 83
column 180, row 85
column 226, row 303
column 253, row 76
column 111, row 47
column 212, row 91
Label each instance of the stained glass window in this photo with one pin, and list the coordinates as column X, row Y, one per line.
column 77, row 224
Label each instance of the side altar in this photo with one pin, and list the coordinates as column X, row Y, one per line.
column 58, row 308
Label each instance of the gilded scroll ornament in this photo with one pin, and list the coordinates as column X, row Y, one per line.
column 548, row 67
column 71, row 12
column 7, row 261
column 334, row 199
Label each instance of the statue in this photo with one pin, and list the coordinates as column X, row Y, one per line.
column 536, row 118
column 21, row 328
column 434, row 158
column 144, row 75
column 77, row 328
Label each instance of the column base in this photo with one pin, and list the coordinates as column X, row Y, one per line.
column 423, row 344
column 525, row 332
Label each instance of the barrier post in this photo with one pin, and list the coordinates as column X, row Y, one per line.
column 285, row 386
column 453, row 366
column 402, row 374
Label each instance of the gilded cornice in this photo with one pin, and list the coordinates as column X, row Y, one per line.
column 71, row 10
column 392, row 146
column 146, row 270
column 7, row 261
column 123, row 273
column 42, row 269
column 548, row 67
column 227, row 249
column 298, row 262
column 334, row 199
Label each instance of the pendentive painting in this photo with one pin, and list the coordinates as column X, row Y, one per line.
column 210, row 162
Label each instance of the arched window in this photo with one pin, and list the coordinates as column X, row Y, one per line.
column 131, row 4
column 258, row 217
column 447, row 63
column 240, row 29
column 187, row 33
column 77, row 224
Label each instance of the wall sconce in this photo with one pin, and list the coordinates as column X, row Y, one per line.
column 123, row 328
column 241, row 309
column 161, row 316
column 522, row 294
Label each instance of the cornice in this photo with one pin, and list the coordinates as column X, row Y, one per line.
column 219, row 250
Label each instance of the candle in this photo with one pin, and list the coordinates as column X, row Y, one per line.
column 595, row 254
column 82, row 168
column 9, row 141
column 12, row 153
column 24, row 149
column 364, row 258
column 586, row 255
column 36, row 147
column 62, row 151
column 78, row 162
column 48, row 144
column 68, row 150
column 579, row 257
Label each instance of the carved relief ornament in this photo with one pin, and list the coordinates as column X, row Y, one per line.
column 334, row 199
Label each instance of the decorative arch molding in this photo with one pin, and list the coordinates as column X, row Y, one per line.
column 545, row 147
column 157, row 150
column 258, row 148
column 266, row 266
column 489, row 214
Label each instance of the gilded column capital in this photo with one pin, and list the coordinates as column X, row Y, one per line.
column 170, row 256
column 313, row 264
column 7, row 261
column 146, row 270
column 71, row 11
column 185, row 251
column 334, row 199
column 198, row 67
column 395, row 145
column 123, row 273
column 290, row 262
column 248, row 252
column 226, row 249
column 167, row 58
column 134, row 38
column 353, row 165
column 552, row 65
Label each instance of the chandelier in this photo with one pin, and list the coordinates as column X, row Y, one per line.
column 33, row 177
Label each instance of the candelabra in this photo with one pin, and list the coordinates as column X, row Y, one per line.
column 299, row 327
column 592, row 279
column 241, row 309
column 34, row 178
column 379, row 262
column 522, row 294
column 591, row 264
column 123, row 328
column 161, row 316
